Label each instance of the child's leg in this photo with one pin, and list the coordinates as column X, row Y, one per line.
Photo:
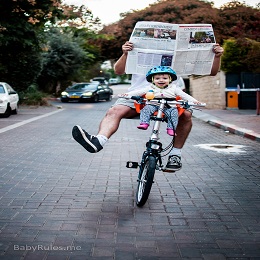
column 146, row 112
column 172, row 115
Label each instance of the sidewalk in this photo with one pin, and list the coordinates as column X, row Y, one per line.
column 241, row 122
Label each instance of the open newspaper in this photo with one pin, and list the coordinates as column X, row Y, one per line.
column 187, row 48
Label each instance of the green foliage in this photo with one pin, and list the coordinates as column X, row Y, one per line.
column 33, row 97
column 63, row 60
column 230, row 59
column 21, row 24
column 29, row 54
column 20, row 67
column 253, row 57
column 241, row 55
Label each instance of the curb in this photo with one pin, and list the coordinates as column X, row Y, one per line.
column 236, row 130
column 214, row 121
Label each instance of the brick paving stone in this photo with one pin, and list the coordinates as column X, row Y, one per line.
column 54, row 193
column 124, row 255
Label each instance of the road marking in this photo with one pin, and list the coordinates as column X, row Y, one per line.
column 5, row 129
column 222, row 148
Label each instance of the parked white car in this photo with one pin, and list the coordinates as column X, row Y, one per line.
column 113, row 81
column 8, row 100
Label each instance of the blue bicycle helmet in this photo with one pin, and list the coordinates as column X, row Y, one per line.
column 160, row 70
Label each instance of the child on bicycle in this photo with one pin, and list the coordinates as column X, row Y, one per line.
column 161, row 78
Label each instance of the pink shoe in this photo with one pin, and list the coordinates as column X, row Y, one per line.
column 170, row 132
column 143, row 126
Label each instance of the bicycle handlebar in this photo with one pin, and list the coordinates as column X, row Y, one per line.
column 176, row 102
column 171, row 101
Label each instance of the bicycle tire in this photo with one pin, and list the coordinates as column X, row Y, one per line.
column 145, row 180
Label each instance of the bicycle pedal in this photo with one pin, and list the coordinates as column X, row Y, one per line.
column 130, row 164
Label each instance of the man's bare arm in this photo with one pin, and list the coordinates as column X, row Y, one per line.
column 119, row 66
column 218, row 50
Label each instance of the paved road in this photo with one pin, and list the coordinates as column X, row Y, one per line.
column 60, row 202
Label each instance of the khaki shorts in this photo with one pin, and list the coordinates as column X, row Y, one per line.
column 125, row 102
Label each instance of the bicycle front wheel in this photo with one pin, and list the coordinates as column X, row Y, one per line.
column 145, row 180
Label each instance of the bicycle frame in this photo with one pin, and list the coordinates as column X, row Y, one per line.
column 153, row 146
column 152, row 157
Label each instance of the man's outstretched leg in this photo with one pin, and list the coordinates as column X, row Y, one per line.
column 182, row 132
column 89, row 142
column 107, row 128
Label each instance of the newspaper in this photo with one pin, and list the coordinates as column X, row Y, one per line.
column 187, row 48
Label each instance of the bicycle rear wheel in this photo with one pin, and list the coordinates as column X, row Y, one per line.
column 145, row 180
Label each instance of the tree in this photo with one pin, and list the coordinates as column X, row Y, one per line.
column 72, row 41
column 79, row 17
column 24, row 28
column 171, row 11
column 239, row 21
column 234, row 19
column 21, row 23
column 241, row 55
column 63, row 61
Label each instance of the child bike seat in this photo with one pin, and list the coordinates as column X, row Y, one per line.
column 139, row 107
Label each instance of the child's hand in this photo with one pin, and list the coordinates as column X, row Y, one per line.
column 199, row 103
column 149, row 95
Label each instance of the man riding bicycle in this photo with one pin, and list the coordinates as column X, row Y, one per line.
column 125, row 109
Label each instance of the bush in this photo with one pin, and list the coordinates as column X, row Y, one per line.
column 241, row 55
column 33, row 97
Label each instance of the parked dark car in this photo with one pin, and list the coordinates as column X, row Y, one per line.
column 92, row 91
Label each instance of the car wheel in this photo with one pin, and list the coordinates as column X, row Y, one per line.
column 109, row 98
column 96, row 98
column 8, row 111
column 15, row 111
column 64, row 100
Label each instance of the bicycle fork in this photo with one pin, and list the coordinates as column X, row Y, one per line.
column 153, row 148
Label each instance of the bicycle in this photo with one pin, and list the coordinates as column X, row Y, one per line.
column 152, row 156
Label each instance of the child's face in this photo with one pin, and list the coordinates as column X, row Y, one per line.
column 161, row 80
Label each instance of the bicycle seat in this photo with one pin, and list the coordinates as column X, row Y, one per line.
column 138, row 107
